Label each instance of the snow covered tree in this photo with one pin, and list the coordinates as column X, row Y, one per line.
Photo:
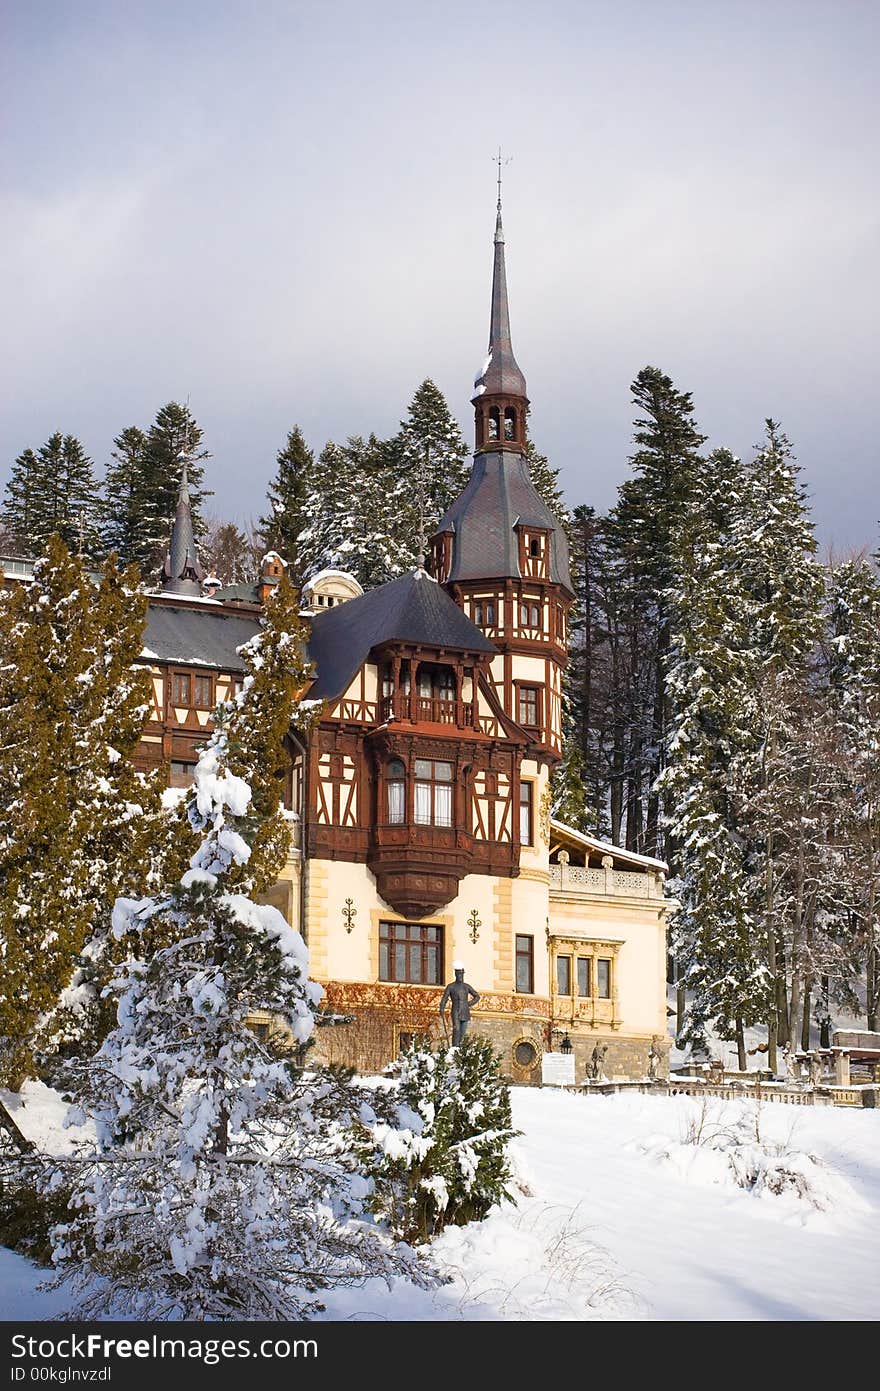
column 53, row 492
column 546, row 481
column 330, row 510
column 437, row 1151
column 75, row 815
column 641, row 534
column 131, row 524
column 717, row 943
column 228, row 553
column 426, row 466
column 286, row 518
column 853, row 663
column 18, row 515
column 223, row 1186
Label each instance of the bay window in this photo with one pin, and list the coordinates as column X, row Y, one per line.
column 432, row 792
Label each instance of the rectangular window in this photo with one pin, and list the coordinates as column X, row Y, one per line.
column 484, row 613
column 181, row 773
column 530, row 615
column 603, row 978
column 432, row 792
column 560, row 622
column 525, row 813
column 180, row 688
column 204, row 692
column 410, row 953
column 583, row 969
column 525, row 965
column 563, row 975
column 528, row 706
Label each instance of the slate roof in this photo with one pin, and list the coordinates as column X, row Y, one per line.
column 500, row 494
column 410, row 609
column 500, row 373
column 196, row 637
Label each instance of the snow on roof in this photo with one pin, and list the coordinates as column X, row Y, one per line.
column 604, row 847
column 273, row 555
column 330, row 572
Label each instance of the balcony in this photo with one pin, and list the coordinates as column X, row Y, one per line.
column 427, row 710
column 609, row 882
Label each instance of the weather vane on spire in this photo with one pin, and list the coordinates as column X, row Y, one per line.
column 496, row 159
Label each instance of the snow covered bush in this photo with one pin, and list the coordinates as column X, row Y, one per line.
column 724, row 1145
column 437, row 1152
column 224, row 1184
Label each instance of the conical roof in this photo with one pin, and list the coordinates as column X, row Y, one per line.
column 182, row 573
column 500, row 373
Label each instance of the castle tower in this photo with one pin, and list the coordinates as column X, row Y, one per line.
column 499, row 550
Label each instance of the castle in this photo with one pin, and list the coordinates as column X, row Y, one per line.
column 421, row 798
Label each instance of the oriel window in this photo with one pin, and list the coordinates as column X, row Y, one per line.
column 432, row 788
column 603, row 978
column 396, row 782
column 583, row 973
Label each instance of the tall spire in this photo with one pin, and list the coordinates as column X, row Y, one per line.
column 182, row 573
column 501, row 375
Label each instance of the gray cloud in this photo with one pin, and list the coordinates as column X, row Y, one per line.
column 284, row 211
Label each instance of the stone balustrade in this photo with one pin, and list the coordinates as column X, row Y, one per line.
column 612, row 882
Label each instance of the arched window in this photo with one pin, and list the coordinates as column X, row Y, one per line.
column 534, row 546
column 509, row 423
column 395, row 775
column 494, row 423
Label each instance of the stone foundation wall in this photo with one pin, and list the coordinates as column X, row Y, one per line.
column 375, row 1034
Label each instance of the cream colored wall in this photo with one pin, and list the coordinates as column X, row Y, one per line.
column 640, row 961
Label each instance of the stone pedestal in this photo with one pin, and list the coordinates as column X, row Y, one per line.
column 841, row 1068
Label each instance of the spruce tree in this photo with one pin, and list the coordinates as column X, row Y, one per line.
column 228, row 553
column 75, row 818
column 174, row 437
column 285, row 521
column 546, row 481
column 718, row 944
column 222, row 1185
column 18, row 515
column 53, row 492
column 131, row 521
column 330, row 513
column 642, row 538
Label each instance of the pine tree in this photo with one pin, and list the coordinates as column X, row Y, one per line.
column 427, row 466
column 132, row 524
column 228, row 553
column 74, row 819
column 222, row 1186
column 641, row 533
column 546, row 481
column 437, row 1154
column 330, row 514
column 853, row 664
column 18, row 514
column 718, row 944
column 53, row 492
column 174, row 437
column 286, row 520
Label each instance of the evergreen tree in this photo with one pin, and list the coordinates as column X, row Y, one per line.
column 438, row 1154
column 174, row 437
column 74, row 819
column 286, row 520
column 718, row 946
column 427, row 465
column 642, row 539
column 853, row 662
column 18, row 515
column 53, row 492
column 330, row 514
column 228, row 553
column 546, row 481
column 222, row 1186
column 132, row 525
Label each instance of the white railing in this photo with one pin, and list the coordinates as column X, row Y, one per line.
column 614, row 882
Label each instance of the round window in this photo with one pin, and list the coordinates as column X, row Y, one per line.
column 525, row 1053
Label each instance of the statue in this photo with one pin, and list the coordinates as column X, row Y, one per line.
column 460, row 996
column 654, row 1059
column 597, row 1062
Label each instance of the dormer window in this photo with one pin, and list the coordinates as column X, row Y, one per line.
column 534, row 546
column 509, row 423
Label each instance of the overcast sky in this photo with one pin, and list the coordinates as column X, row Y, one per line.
column 284, row 211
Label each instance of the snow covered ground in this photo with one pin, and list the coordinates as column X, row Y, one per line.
column 622, row 1218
